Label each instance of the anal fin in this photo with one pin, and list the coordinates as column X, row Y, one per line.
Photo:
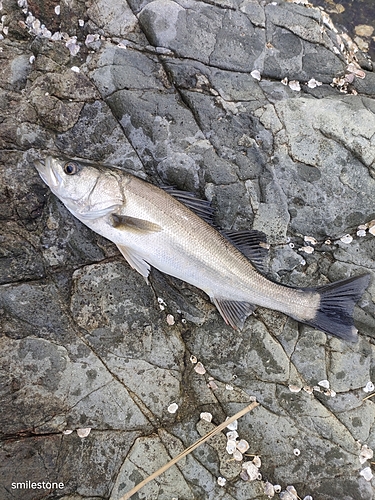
column 233, row 312
column 135, row 261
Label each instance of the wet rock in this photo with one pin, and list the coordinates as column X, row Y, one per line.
column 114, row 19
column 313, row 164
column 17, row 67
column 215, row 98
column 135, row 468
column 18, row 259
column 58, row 99
column 97, row 136
column 47, row 455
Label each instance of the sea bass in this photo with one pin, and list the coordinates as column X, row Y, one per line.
column 170, row 230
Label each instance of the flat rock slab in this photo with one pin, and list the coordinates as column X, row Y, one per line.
column 259, row 107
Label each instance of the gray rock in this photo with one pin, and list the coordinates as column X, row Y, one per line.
column 166, row 90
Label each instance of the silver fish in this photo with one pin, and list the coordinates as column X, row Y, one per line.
column 169, row 230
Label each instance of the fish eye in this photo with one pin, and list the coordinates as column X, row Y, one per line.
column 70, row 168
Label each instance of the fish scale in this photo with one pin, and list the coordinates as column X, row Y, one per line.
column 208, row 250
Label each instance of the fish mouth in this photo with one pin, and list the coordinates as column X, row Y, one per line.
column 47, row 173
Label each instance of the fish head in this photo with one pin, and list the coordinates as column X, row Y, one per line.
column 88, row 191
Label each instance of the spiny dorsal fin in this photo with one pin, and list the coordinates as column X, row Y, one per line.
column 200, row 207
column 252, row 243
column 233, row 312
column 126, row 223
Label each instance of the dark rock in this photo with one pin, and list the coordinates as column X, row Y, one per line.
column 240, row 102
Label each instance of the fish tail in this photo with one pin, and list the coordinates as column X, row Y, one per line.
column 335, row 311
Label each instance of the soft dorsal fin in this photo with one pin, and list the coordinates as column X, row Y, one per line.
column 252, row 243
column 233, row 312
column 200, row 207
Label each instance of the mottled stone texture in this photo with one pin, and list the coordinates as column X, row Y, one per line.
column 165, row 91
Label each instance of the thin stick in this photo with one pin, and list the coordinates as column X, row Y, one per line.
column 364, row 399
column 191, row 448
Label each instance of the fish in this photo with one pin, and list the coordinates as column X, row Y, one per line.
column 173, row 231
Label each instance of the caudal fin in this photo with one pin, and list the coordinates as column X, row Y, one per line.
column 337, row 301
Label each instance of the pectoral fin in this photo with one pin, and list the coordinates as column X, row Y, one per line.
column 233, row 312
column 126, row 223
column 135, row 261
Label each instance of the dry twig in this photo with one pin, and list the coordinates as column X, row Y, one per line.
column 191, row 448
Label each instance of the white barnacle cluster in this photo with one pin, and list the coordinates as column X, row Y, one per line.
column 170, row 319
column 312, row 83
column 199, row 368
column 294, row 388
column 369, row 226
column 206, row 416
column 289, row 493
column 256, row 75
column 236, row 447
column 92, row 38
column 366, row 454
column 71, row 44
column 296, row 86
column 369, row 387
column 172, row 408
column 37, row 28
column 161, row 303
column 362, row 230
column 367, row 473
column 82, row 433
column 250, row 470
column 348, row 48
column 221, row 481
column 310, row 243
column 293, row 84
column 212, row 384
column 347, row 238
column 354, row 70
column 324, row 387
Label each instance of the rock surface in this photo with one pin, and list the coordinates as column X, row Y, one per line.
column 260, row 107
